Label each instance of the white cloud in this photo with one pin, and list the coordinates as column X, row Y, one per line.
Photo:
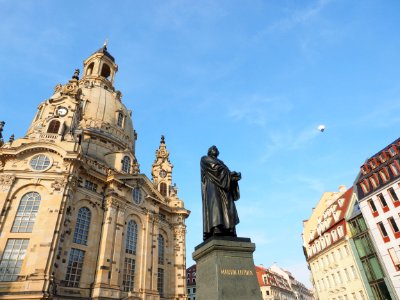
column 257, row 236
column 312, row 183
column 178, row 14
column 289, row 140
column 384, row 115
column 258, row 110
column 300, row 16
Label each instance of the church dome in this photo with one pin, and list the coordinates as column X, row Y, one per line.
column 103, row 113
column 89, row 111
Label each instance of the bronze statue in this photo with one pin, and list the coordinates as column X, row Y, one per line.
column 219, row 189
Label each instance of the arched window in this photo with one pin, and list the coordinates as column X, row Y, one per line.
column 120, row 121
column 82, row 226
column 163, row 188
column 126, row 164
column 54, row 126
column 131, row 237
column 105, row 71
column 161, row 249
column 26, row 213
column 90, row 69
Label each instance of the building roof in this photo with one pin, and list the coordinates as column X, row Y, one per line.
column 268, row 278
column 378, row 170
column 329, row 224
column 104, row 51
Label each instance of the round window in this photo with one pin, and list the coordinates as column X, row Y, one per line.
column 40, row 162
column 137, row 195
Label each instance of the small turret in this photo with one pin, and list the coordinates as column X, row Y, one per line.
column 162, row 171
column 100, row 66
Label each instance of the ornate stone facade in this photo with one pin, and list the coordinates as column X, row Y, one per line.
column 78, row 219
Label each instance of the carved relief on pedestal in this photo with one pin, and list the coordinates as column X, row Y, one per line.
column 6, row 181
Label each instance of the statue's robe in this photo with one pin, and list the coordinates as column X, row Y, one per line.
column 219, row 192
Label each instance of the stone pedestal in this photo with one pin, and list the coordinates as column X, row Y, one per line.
column 225, row 270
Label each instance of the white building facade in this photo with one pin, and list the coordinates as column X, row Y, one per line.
column 378, row 192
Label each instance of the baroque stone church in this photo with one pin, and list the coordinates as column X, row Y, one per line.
column 78, row 218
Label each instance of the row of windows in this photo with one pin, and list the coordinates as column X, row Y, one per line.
column 193, row 280
column 332, row 257
column 91, row 186
column 376, row 161
column 24, row 221
column 374, row 181
column 54, row 125
column 337, row 278
column 105, row 70
column 383, row 203
column 14, row 254
column 279, row 294
column 353, row 296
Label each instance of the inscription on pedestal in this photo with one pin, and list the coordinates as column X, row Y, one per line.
column 237, row 272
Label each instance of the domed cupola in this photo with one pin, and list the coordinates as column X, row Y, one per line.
column 100, row 66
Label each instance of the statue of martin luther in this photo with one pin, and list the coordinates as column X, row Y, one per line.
column 219, row 189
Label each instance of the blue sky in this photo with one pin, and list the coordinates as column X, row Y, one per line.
column 253, row 77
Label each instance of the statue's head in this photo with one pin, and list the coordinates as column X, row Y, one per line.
column 213, row 151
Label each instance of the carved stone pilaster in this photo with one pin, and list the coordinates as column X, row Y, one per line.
column 73, row 182
column 180, row 232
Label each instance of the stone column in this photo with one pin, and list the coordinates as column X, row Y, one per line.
column 104, row 266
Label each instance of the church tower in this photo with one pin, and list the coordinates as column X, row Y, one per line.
column 78, row 219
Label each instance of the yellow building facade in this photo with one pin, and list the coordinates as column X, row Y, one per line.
column 78, row 219
column 334, row 270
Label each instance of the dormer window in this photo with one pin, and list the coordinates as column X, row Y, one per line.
column 365, row 186
column 392, row 150
column 383, row 156
column 373, row 163
column 395, row 168
column 384, row 174
column 365, row 169
column 89, row 70
column 54, row 126
column 105, row 71
column 120, row 120
column 374, row 181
